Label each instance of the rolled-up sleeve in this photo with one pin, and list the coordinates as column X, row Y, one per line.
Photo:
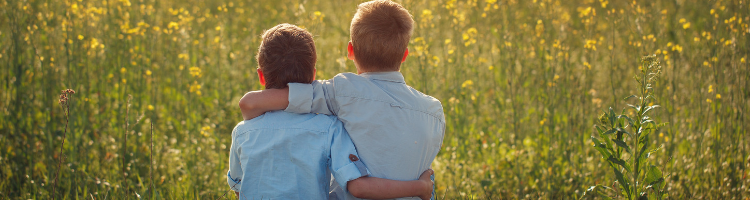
column 316, row 97
column 234, row 175
column 344, row 161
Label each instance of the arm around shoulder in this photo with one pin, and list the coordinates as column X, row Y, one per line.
column 255, row 103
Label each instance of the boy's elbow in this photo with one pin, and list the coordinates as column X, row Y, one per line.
column 245, row 103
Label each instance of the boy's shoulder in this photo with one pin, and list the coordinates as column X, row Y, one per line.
column 400, row 95
column 286, row 120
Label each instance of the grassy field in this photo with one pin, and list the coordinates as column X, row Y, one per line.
column 522, row 84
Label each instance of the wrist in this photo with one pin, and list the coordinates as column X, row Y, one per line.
column 426, row 186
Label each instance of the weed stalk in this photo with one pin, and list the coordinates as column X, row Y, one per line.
column 64, row 102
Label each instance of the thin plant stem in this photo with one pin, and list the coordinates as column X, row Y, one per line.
column 125, row 148
column 151, row 162
column 64, row 103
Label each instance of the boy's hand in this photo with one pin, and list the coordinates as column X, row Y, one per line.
column 426, row 193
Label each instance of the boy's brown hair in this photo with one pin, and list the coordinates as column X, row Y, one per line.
column 286, row 55
column 380, row 33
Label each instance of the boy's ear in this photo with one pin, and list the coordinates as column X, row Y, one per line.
column 262, row 78
column 315, row 71
column 406, row 53
column 350, row 51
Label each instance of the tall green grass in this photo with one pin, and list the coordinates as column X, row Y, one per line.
column 522, row 83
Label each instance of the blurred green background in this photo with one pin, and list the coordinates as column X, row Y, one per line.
column 521, row 82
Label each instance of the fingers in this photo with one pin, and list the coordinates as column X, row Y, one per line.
column 426, row 174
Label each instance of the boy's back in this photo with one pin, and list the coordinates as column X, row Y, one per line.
column 281, row 155
column 398, row 130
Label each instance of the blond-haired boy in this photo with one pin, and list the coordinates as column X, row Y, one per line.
column 397, row 130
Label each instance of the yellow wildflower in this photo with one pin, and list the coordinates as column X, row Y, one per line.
column 150, row 107
column 470, row 36
column 173, row 25
column 195, row 87
column 123, row 70
column 426, row 15
column 205, row 130
column 718, row 96
column 94, row 43
column 686, row 25
column 148, row 72
column 467, row 83
column 590, row 44
column 677, row 48
column 195, row 72
column 582, row 12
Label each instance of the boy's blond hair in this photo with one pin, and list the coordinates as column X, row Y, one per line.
column 380, row 33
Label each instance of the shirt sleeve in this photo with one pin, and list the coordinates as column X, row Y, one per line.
column 317, row 97
column 234, row 175
column 344, row 161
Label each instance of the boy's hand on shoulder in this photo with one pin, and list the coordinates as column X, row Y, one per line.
column 427, row 184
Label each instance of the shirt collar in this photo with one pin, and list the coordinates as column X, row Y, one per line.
column 394, row 76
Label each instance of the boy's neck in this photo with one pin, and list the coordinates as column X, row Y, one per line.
column 361, row 70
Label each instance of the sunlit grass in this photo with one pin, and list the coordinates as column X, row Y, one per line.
column 521, row 82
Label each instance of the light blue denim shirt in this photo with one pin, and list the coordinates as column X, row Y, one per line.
column 398, row 130
column 282, row 155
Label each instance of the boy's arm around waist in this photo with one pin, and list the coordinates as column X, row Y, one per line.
column 378, row 188
column 352, row 175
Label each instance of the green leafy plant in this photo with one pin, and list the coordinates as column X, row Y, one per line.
column 623, row 141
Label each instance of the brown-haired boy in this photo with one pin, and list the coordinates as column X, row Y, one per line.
column 398, row 130
column 282, row 155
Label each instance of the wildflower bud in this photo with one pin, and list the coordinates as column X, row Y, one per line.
column 603, row 119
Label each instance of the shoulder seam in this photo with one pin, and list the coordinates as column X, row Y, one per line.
column 402, row 106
